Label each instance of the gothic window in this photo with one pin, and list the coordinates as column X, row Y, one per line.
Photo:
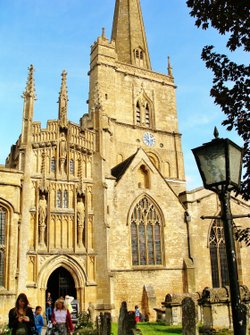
column 146, row 236
column 218, row 255
column 59, row 199
column 138, row 114
column 53, row 164
column 143, row 113
column 2, row 243
column 71, row 166
column 65, row 199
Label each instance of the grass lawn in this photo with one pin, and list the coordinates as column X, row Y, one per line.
column 154, row 328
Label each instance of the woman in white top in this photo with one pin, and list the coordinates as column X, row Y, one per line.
column 61, row 318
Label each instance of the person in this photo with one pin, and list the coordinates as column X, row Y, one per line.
column 137, row 314
column 21, row 317
column 61, row 318
column 38, row 320
column 49, row 303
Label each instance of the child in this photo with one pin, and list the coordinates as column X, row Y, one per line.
column 137, row 314
column 39, row 320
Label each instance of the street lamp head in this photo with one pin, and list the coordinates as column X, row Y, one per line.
column 219, row 163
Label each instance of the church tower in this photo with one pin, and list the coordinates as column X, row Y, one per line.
column 131, row 106
column 138, row 166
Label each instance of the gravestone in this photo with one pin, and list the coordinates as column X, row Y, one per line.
column 126, row 321
column 189, row 317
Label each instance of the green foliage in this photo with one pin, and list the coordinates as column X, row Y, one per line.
column 5, row 330
column 84, row 326
column 231, row 82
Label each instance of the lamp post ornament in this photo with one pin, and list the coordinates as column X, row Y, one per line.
column 219, row 163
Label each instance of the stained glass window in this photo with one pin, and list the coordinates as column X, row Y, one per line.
column 146, row 237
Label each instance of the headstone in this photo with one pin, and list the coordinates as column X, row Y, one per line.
column 189, row 317
column 126, row 321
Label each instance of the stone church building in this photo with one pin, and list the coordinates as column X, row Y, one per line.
column 99, row 210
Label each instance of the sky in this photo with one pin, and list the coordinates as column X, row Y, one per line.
column 54, row 35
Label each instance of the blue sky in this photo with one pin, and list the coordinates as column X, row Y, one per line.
column 57, row 34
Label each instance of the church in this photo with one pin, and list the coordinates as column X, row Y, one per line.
column 99, row 210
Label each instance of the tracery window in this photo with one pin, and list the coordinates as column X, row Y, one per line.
column 3, row 216
column 65, row 199
column 138, row 114
column 146, row 235
column 59, row 199
column 53, row 164
column 218, row 255
column 71, row 166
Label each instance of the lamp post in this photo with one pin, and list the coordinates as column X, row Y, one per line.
column 219, row 163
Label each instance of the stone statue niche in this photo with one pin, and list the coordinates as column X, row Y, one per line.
column 63, row 148
column 80, row 220
column 42, row 219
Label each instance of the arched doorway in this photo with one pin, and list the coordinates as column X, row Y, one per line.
column 61, row 283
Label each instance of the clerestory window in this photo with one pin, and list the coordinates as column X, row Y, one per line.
column 146, row 234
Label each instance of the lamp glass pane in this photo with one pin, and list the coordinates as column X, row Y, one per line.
column 234, row 164
column 213, row 163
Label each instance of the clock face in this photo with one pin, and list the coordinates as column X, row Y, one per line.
column 149, row 139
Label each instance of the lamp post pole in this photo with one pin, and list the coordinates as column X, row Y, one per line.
column 238, row 309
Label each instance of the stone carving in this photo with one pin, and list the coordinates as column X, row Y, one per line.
column 91, row 312
column 80, row 221
column 62, row 152
column 42, row 218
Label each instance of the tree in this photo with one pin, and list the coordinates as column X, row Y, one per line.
column 231, row 81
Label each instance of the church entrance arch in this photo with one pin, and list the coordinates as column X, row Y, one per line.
column 61, row 283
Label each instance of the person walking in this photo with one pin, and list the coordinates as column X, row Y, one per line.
column 21, row 317
column 49, row 304
column 39, row 322
column 61, row 318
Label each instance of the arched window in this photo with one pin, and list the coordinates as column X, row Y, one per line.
column 3, row 219
column 53, row 164
column 218, row 255
column 139, row 57
column 146, row 236
column 143, row 177
column 65, row 199
column 143, row 112
column 72, row 167
column 59, row 199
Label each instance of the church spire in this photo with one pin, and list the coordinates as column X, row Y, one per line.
column 30, row 85
column 129, row 34
column 29, row 96
column 63, row 101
